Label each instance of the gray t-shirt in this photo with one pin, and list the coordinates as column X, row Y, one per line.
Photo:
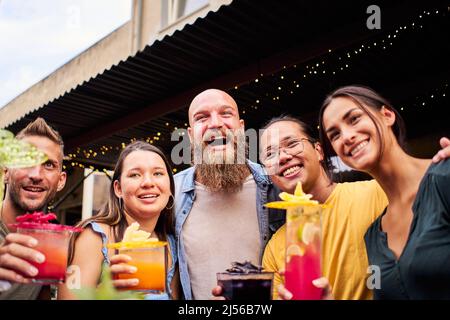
column 18, row 291
column 221, row 228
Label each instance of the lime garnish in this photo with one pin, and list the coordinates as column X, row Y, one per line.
column 294, row 250
column 310, row 230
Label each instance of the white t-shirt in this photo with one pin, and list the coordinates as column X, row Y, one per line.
column 221, row 228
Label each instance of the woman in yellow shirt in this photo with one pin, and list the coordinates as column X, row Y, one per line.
column 291, row 154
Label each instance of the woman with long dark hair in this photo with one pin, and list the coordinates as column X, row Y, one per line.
column 408, row 246
column 141, row 191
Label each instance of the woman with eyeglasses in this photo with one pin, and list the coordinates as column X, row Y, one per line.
column 290, row 154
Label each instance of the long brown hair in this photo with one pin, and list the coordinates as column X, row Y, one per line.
column 111, row 212
column 364, row 97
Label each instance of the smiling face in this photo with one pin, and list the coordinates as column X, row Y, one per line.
column 31, row 189
column 286, row 169
column 144, row 184
column 353, row 133
column 214, row 125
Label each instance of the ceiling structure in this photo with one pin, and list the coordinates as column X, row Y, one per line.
column 272, row 57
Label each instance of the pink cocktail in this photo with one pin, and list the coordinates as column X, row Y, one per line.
column 303, row 247
column 53, row 243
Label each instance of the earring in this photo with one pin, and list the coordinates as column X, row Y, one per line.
column 173, row 202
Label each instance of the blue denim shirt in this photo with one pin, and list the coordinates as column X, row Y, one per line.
column 269, row 219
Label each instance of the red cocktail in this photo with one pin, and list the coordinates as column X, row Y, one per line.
column 303, row 258
column 53, row 243
column 303, row 243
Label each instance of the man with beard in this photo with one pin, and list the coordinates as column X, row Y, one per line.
column 220, row 217
column 28, row 190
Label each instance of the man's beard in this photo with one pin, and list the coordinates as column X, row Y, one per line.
column 222, row 177
column 224, row 170
column 22, row 206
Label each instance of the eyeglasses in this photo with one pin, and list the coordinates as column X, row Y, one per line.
column 293, row 147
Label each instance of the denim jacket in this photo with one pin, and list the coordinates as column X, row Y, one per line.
column 269, row 219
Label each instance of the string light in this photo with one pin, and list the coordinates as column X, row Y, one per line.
column 310, row 71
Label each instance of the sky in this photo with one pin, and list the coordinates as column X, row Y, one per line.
column 38, row 37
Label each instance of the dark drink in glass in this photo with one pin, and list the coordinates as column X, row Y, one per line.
column 246, row 282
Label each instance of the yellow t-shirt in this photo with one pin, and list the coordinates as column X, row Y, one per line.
column 353, row 208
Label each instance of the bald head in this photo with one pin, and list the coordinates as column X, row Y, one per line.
column 211, row 99
column 210, row 112
column 218, row 141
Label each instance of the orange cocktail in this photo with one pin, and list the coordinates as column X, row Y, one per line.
column 148, row 255
column 150, row 261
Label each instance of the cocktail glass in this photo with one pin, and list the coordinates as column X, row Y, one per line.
column 53, row 243
column 241, row 286
column 150, row 260
column 303, row 251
